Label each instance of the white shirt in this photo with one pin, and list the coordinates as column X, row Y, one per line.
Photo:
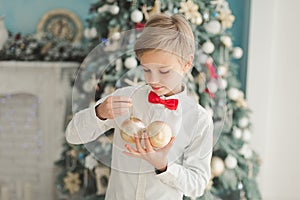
column 188, row 170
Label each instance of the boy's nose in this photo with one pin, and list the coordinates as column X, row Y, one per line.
column 153, row 79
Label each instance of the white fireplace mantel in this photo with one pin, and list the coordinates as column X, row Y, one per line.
column 49, row 82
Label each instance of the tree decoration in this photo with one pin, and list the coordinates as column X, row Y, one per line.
column 72, row 182
column 90, row 162
column 153, row 10
column 136, row 16
column 226, row 18
column 230, row 162
column 130, row 62
column 190, row 11
column 213, row 27
column 42, row 47
column 217, row 166
column 237, row 52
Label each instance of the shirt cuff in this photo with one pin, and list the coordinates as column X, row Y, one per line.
column 169, row 176
column 94, row 114
column 157, row 171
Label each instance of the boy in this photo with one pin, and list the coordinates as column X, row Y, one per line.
column 139, row 171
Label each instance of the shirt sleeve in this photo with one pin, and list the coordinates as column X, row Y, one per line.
column 193, row 176
column 85, row 126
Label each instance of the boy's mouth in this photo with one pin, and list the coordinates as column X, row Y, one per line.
column 156, row 88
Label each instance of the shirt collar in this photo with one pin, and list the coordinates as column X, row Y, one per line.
column 174, row 96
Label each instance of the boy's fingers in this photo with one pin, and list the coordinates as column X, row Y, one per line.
column 130, row 149
column 147, row 143
column 118, row 112
column 121, row 105
column 139, row 147
column 121, row 99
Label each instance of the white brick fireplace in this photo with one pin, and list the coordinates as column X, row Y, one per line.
column 33, row 98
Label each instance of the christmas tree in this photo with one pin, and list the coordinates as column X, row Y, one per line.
column 212, row 82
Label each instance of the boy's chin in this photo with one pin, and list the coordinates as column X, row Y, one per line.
column 161, row 93
column 165, row 93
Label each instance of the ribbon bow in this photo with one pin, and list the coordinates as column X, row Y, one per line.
column 171, row 104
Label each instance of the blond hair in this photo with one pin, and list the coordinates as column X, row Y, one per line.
column 168, row 33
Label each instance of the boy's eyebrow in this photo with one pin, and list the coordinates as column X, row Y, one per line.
column 161, row 66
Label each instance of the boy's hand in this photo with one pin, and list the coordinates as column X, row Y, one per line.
column 157, row 158
column 113, row 106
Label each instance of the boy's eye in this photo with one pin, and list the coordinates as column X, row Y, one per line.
column 146, row 70
column 164, row 72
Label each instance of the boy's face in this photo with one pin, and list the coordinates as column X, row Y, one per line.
column 163, row 71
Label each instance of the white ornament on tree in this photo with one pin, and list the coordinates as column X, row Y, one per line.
column 198, row 20
column 136, row 16
column 237, row 52
column 93, row 32
column 208, row 47
column 202, row 57
column 213, row 27
column 90, row 162
column 243, row 122
column 222, row 70
column 236, row 132
column 87, row 86
column 247, row 135
column 90, row 85
column 230, row 162
column 246, row 151
column 130, row 62
column 222, row 83
column 212, row 86
column 114, row 9
column 226, row 40
column 103, row 8
column 87, row 33
column 217, row 166
column 234, row 94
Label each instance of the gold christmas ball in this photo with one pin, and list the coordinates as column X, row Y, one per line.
column 217, row 166
column 159, row 134
column 130, row 127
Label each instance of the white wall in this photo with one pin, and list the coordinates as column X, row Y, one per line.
column 273, row 94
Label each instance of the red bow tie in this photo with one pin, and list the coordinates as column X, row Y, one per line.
column 169, row 103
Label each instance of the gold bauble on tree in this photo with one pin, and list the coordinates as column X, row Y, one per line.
column 159, row 133
column 217, row 166
column 130, row 127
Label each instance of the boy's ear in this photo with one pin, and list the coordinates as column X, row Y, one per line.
column 188, row 64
